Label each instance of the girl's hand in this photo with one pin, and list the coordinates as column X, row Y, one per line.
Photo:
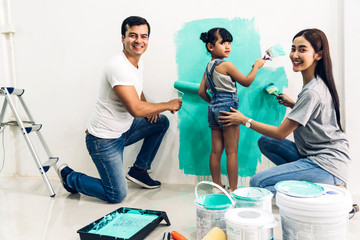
column 233, row 118
column 259, row 63
column 285, row 100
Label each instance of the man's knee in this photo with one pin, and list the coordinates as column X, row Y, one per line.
column 116, row 196
column 164, row 121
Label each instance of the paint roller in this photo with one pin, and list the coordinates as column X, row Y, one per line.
column 187, row 86
column 274, row 52
column 215, row 234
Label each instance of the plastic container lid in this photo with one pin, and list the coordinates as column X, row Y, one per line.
column 299, row 189
column 252, row 194
column 250, row 218
column 214, row 201
column 334, row 201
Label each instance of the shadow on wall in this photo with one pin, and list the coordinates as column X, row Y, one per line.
column 254, row 102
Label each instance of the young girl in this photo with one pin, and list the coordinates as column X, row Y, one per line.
column 320, row 152
column 220, row 78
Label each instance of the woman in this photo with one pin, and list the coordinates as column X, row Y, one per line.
column 320, row 152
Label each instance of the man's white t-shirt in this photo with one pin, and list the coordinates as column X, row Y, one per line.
column 110, row 119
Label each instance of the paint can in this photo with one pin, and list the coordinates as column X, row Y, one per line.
column 249, row 224
column 317, row 217
column 253, row 197
column 211, row 209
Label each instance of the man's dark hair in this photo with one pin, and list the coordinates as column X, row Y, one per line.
column 133, row 21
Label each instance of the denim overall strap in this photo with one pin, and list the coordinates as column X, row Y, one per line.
column 209, row 74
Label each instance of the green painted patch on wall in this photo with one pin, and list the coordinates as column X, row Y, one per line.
column 254, row 102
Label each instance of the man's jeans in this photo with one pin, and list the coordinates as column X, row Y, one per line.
column 290, row 166
column 107, row 155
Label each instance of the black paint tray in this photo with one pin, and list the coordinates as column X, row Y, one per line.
column 86, row 234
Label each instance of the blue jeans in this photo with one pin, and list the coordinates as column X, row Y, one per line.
column 107, row 154
column 221, row 101
column 290, row 166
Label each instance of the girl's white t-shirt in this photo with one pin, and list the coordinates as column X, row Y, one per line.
column 110, row 119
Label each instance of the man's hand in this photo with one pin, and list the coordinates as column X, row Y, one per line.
column 175, row 105
column 153, row 118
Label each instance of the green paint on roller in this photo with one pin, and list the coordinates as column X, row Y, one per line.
column 271, row 89
column 187, row 86
column 191, row 59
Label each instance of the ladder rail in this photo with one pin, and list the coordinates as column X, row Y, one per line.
column 42, row 140
column 27, row 139
column 3, row 110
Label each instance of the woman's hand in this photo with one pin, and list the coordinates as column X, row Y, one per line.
column 285, row 100
column 233, row 118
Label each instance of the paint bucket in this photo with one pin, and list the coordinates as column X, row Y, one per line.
column 249, row 224
column 321, row 217
column 211, row 209
column 253, row 197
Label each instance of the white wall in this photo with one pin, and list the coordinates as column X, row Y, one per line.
column 61, row 47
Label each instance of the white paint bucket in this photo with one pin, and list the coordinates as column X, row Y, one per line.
column 211, row 209
column 321, row 217
column 253, row 197
column 249, row 224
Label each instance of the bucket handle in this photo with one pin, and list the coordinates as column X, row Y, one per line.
column 217, row 186
column 271, row 225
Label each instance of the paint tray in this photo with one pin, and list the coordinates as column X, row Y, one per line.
column 124, row 224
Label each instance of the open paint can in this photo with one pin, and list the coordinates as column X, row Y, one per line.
column 211, row 209
column 321, row 212
column 249, row 224
column 253, row 197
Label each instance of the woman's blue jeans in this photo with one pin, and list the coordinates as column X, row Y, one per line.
column 107, row 154
column 290, row 166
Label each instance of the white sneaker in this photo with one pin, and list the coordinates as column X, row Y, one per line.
column 216, row 190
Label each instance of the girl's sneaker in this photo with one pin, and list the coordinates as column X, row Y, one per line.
column 216, row 190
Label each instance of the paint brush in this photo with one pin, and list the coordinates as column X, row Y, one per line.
column 177, row 236
column 274, row 52
column 166, row 236
column 272, row 90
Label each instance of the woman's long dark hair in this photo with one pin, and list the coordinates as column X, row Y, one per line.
column 319, row 42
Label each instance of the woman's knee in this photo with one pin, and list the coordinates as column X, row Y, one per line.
column 254, row 181
column 262, row 142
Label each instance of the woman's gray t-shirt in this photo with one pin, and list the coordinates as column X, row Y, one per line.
column 318, row 136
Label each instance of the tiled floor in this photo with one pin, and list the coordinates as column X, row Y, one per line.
column 28, row 213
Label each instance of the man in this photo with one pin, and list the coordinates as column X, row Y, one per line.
column 122, row 116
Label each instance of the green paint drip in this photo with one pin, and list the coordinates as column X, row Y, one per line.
column 191, row 58
column 122, row 225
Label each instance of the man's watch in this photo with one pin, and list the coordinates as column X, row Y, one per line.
column 248, row 123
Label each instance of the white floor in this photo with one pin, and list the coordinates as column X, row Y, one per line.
column 28, row 213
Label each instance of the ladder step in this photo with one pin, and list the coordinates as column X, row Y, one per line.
column 11, row 90
column 49, row 163
column 32, row 128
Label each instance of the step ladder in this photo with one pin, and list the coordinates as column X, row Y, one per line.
column 27, row 127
